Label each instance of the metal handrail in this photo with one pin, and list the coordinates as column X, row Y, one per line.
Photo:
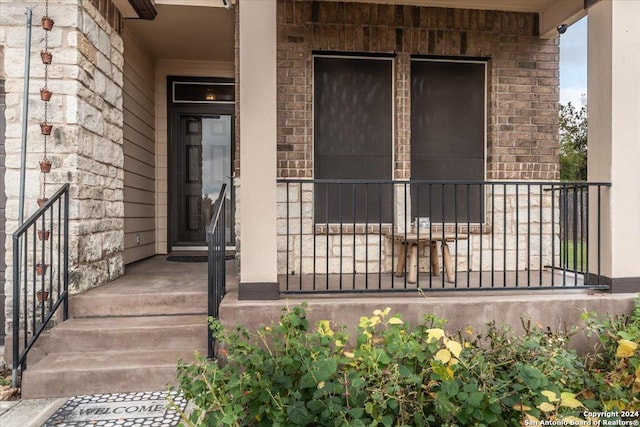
column 33, row 311
column 216, row 284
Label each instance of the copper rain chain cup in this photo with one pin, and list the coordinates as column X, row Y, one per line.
column 45, row 94
column 41, row 269
column 45, row 128
column 45, row 166
column 42, row 201
column 42, row 295
column 43, row 234
column 47, row 23
column 46, row 57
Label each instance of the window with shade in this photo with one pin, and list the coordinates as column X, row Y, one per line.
column 353, row 137
column 448, row 105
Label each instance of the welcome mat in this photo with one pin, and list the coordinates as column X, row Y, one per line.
column 119, row 409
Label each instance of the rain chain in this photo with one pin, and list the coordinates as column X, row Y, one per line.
column 45, row 129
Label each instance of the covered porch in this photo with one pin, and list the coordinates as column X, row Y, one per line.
column 510, row 242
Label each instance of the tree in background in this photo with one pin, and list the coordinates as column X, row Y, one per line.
column 573, row 142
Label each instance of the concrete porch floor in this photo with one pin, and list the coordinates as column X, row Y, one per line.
column 167, row 286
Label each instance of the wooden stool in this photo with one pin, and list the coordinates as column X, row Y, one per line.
column 413, row 242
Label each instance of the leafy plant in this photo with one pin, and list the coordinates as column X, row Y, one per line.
column 391, row 374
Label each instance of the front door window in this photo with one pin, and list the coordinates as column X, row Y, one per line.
column 203, row 163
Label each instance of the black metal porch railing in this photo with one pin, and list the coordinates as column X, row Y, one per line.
column 574, row 228
column 376, row 236
column 216, row 239
column 40, row 274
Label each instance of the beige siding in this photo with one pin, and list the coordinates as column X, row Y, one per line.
column 139, row 152
column 166, row 67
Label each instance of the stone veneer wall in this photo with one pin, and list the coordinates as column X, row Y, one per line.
column 523, row 77
column 86, row 144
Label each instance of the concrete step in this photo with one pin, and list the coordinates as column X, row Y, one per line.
column 102, row 304
column 70, row 374
column 127, row 333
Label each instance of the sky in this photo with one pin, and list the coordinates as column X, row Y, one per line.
column 573, row 63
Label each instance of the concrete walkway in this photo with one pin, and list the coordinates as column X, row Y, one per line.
column 28, row 412
column 113, row 409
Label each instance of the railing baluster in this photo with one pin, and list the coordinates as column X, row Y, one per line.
column 34, row 254
column 380, row 240
column 504, row 235
column 443, row 216
column 493, row 232
column 577, row 246
column 300, row 232
column 540, row 249
column 517, row 230
column 483, row 217
column 468, row 210
column 326, row 201
column 354, row 201
column 564, row 202
column 393, row 234
column 455, row 231
column 529, row 235
column 313, row 232
column 553, row 234
column 366, row 236
column 288, row 272
column 417, row 220
column 599, row 231
column 586, row 261
column 430, row 200
column 341, row 223
column 408, row 247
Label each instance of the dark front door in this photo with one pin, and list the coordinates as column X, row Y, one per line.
column 201, row 158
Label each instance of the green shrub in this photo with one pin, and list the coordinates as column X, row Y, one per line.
column 614, row 363
column 289, row 374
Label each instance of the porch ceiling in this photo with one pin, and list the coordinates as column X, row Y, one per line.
column 187, row 32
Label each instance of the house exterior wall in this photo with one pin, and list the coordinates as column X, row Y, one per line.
column 523, row 77
column 139, row 117
column 86, row 77
column 522, row 127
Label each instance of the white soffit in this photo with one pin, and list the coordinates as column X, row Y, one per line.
column 187, row 33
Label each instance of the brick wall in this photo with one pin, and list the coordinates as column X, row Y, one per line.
column 523, row 93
